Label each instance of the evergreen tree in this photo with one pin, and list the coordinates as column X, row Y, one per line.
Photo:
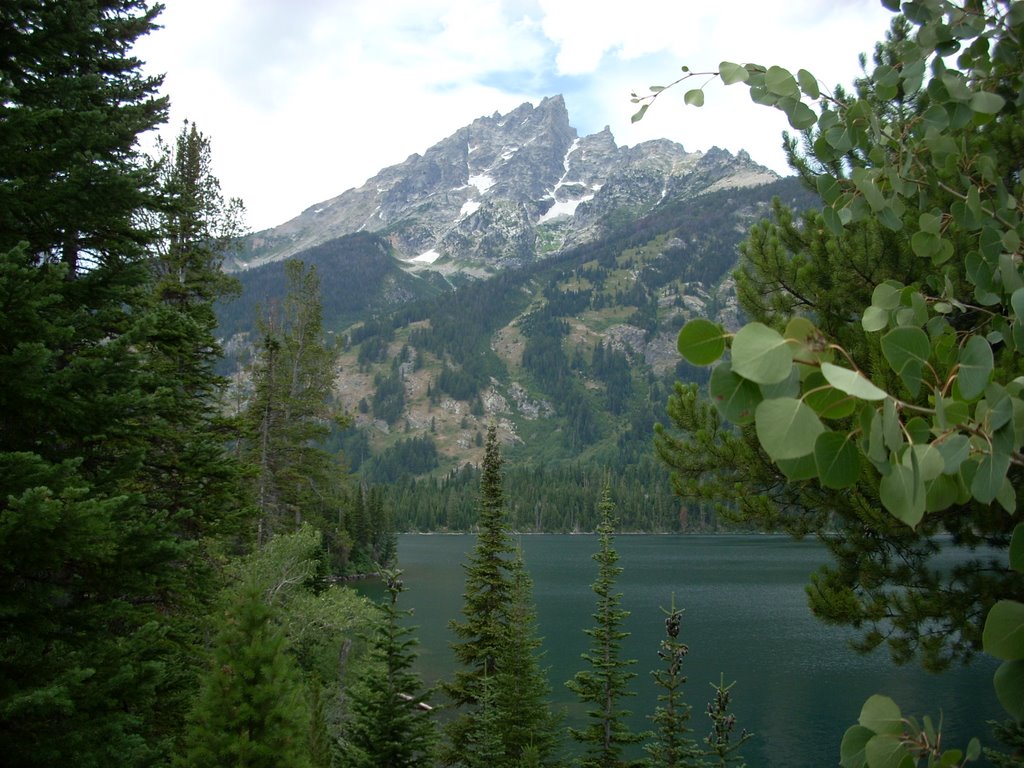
column 97, row 551
column 482, row 743
column 72, row 106
column 358, row 527
column 673, row 746
column 384, row 538
column 252, row 710
column 187, row 475
column 390, row 723
column 290, row 412
column 482, row 635
column 321, row 750
column 601, row 687
column 721, row 750
column 192, row 476
column 521, row 689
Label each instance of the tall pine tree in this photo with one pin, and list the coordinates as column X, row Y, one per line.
column 497, row 645
column 290, row 412
column 521, row 688
column 252, row 709
column 722, row 750
column 673, row 745
column 482, row 633
column 95, row 559
column 390, row 722
column 603, row 686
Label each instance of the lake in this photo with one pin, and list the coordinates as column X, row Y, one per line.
column 798, row 686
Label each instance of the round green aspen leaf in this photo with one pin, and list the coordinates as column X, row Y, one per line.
column 887, row 295
column 918, row 430
column 733, row 396
column 941, row 493
column 761, row 354
column 808, row 84
column 928, row 459
column 827, row 401
column 887, row 751
column 837, row 459
column 851, row 382
column 987, row 103
column 799, row 329
column 800, row 116
column 786, row 428
column 881, row 714
column 788, row 387
column 976, row 364
column 1009, row 685
column 701, row 342
column 851, row 749
column 874, row 319
column 988, row 480
column 808, row 345
column 925, row 244
column 907, row 349
column 802, row 468
column 781, row 82
column 1003, row 635
column 832, row 221
column 733, row 73
column 954, row 451
column 902, row 493
column 828, row 189
column 694, row 97
column 1017, row 302
column 1007, row 496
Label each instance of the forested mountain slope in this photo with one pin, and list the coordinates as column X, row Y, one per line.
column 571, row 356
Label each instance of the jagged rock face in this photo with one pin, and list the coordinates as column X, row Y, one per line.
column 505, row 189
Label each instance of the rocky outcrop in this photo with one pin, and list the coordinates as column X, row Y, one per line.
column 505, row 189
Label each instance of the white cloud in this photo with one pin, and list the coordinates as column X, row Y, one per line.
column 306, row 99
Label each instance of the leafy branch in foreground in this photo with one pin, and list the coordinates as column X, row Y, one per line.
column 928, row 147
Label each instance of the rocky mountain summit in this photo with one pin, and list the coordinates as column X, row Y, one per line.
column 507, row 189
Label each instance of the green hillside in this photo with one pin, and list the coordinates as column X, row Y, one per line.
column 571, row 356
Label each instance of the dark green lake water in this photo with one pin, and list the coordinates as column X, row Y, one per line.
column 798, row 685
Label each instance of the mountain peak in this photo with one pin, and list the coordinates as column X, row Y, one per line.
column 505, row 189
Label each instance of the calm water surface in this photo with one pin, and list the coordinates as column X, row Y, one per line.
column 798, row 685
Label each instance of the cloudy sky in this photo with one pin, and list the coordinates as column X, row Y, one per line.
column 304, row 99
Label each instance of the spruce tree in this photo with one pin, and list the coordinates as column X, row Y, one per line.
column 186, row 472
column 672, row 746
column 383, row 537
column 606, row 682
column 482, row 634
column 96, row 559
column 390, row 722
column 290, row 412
column 252, row 710
column 721, row 749
column 521, row 688
column 482, row 743
column 73, row 104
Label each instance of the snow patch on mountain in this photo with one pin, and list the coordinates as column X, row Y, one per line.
column 427, row 257
column 482, row 182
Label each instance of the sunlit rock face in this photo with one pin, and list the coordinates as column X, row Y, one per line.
column 507, row 189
